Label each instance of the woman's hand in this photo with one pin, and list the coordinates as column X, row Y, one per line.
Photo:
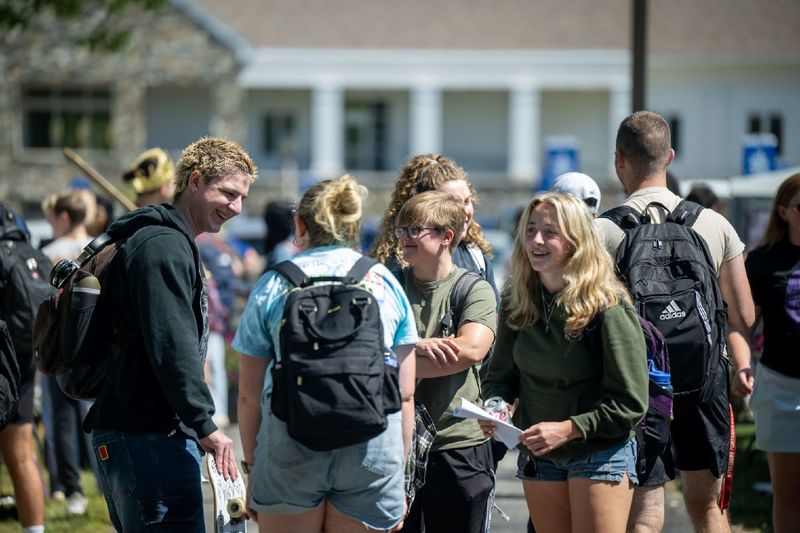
column 742, row 382
column 441, row 351
column 545, row 437
column 487, row 427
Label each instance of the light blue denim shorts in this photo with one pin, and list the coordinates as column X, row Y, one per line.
column 365, row 481
column 609, row 464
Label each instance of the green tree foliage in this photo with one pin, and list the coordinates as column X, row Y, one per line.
column 106, row 24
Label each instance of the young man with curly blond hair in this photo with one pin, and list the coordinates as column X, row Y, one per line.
column 155, row 410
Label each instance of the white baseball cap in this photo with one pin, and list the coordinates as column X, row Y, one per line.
column 580, row 185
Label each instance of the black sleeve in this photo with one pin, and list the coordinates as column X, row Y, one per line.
column 754, row 266
column 162, row 276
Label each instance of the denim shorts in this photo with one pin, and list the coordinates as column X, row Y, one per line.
column 365, row 481
column 150, row 480
column 609, row 464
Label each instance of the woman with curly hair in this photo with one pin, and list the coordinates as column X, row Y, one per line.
column 435, row 173
column 571, row 350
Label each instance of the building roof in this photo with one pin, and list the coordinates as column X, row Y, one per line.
column 681, row 27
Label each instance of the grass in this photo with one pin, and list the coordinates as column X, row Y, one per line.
column 57, row 520
column 750, row 509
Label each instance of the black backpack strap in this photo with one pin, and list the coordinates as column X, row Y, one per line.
column 686, row 213
column 458, row 298
column 292, row 273
column 360, row 269
column 625, row 217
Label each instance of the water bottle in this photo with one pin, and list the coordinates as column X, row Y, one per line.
column 498, row 408
column 660, row 378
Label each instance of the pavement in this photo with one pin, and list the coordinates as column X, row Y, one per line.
column 508, row 496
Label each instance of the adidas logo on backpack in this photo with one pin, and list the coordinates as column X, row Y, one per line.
column 671, row 276
column 671, row 311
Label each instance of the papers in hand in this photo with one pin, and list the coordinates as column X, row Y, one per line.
column 504, row 432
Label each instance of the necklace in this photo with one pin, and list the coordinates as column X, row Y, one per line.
column 548, row 308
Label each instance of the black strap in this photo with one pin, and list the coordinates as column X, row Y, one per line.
column 295, row 275
column 361, row 268
column 458, row 299
column 625, row 217
column 292, row 273
column 685, row 213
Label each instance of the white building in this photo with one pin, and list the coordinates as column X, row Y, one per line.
column 317, row 87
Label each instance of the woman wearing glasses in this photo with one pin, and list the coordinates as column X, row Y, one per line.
column 458, row 477
column 436, row 173
column 773, row 270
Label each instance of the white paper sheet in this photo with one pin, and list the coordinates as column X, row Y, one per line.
column 504, row 432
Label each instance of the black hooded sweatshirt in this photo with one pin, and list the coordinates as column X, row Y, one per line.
column 160, row 314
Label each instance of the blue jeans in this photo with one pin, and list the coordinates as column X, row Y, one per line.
column 609, row 464
column 150, row 481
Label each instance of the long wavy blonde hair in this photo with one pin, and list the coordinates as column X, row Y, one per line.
column 331, row 210
column 591, row 285
column 422, row 173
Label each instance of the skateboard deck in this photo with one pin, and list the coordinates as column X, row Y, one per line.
column 229, row 499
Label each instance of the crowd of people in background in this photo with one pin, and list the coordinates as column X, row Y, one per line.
column 558, row 349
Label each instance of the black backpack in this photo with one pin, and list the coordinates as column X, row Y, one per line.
column 671, row 275
column 336, row 381
column 75, row 328
column 9, row 377
column 23, row 282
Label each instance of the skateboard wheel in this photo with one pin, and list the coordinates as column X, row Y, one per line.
column 236, row 507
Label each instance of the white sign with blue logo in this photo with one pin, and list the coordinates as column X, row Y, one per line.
column 759, row 153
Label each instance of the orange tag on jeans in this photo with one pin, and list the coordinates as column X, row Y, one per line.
column 102, row 451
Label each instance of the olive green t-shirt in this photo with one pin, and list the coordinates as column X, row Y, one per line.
column 429, row 302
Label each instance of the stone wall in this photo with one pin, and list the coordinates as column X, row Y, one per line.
column 165, row 48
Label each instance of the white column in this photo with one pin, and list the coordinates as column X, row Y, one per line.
column 524, row 135
column 619, row 107
column 327, row 131
column 426, row 120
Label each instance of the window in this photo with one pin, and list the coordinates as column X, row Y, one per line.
column 675, row 131
column 754, row 123
column 762, row 122
column 279, row 132
column 77, row 117
column 365, row 137
column 776, row 128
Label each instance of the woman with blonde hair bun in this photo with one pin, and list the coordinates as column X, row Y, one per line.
column 292, row 487
column 571, row 350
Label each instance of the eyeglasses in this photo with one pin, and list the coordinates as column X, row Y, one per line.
column 412, row 232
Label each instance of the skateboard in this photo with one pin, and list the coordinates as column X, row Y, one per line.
column 229, row 499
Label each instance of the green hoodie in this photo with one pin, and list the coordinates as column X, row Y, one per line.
column 599, row 382
column 160, row 313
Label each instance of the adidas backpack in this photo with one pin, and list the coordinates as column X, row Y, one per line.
column 335, row 381
column 23, row 282
column 671, row 275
